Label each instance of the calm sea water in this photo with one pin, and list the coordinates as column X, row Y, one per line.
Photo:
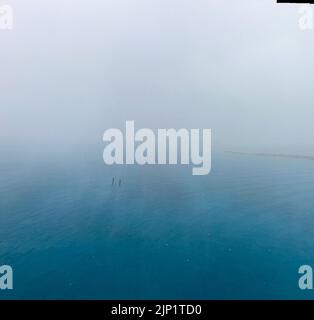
column 240, row 232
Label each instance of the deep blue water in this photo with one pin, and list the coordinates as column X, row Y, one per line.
column 240, row 232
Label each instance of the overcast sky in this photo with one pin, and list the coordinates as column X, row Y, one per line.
column 71, row 69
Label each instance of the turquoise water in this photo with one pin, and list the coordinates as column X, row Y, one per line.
column 240, row 232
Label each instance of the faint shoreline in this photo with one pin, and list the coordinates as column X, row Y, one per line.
column 274, row 155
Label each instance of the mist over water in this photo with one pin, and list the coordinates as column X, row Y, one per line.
column 243, row 69
column 70, row 70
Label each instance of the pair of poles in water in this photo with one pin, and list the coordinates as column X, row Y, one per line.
column 113, row 180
